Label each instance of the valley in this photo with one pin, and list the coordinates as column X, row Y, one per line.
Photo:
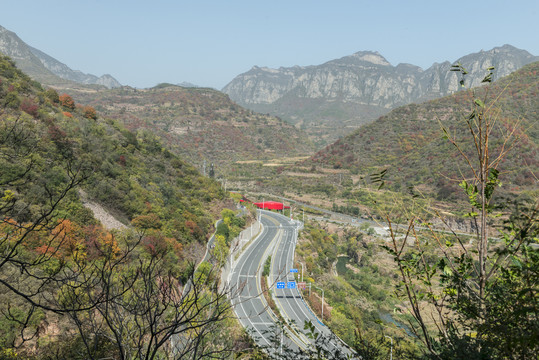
column 129, row 229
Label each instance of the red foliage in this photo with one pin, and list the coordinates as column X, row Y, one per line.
column 191, row 226
column 29, row 107
column 155, row 244
column 56, row 133
column 65, row 240
column 100, row 243
column 67, row 114
column 122, row 161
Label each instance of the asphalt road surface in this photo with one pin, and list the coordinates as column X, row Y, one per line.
column 277, row 239
column 247, row 298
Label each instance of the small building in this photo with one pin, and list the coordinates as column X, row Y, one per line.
column 271, row 205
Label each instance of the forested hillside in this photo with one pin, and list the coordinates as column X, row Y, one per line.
column 64, row 278
column 200, row 123
column 410, row 143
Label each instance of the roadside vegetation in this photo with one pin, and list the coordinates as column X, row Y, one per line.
column 454, row 181
column 71, row 288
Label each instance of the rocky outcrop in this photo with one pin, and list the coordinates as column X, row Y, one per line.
column 360, row 87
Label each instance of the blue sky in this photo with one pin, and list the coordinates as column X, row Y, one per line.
column 208, row 43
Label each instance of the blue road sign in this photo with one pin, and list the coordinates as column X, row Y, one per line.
column 280, row 285
column 291, row 285
column 294, row 270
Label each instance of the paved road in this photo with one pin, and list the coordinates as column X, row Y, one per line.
column 277, row 239
column 289, row 300
column 244, row 282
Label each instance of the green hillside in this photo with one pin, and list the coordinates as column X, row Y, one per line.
column 130, row 174
column 59, row 266
column 200, row 123
column 409, row 140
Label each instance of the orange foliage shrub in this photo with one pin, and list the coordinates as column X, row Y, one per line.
column 65, row 240
column 67, row 101
column 89, row 113
column 100, row 243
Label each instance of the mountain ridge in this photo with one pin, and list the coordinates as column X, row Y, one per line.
column 329, row 99
column 408, row 141
column 199, row 123
column 44, row 68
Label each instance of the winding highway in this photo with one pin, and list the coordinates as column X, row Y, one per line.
column 248, row 300
column 278, row 239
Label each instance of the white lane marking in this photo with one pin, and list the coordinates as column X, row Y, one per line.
column 242, row 303
column 287, row 253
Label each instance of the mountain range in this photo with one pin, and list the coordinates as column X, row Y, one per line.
column 410, row 144
column 332, row 99
column 46, row 69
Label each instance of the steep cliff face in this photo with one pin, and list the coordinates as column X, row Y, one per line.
column 410, row 144
column 330, row 98
column 44, row 68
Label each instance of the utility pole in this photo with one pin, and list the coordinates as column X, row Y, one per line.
column 290, row 211
column 204, row 167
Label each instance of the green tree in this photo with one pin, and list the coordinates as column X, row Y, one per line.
column 475, row 298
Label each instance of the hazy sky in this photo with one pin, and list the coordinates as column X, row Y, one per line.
column 208, row 43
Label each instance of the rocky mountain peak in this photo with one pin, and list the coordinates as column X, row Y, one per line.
column 45, row 68
column 372, row 57
column 12, row 46
column 344, row 93
column 361, row 58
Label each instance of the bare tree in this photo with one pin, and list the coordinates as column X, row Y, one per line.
column 143, row 312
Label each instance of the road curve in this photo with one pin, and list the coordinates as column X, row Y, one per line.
column 244, row 283
column 289, row 300
column 278, row 239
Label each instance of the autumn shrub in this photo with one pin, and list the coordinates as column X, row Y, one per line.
column 67, row 101
column 29, row 107
column 89, row 113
